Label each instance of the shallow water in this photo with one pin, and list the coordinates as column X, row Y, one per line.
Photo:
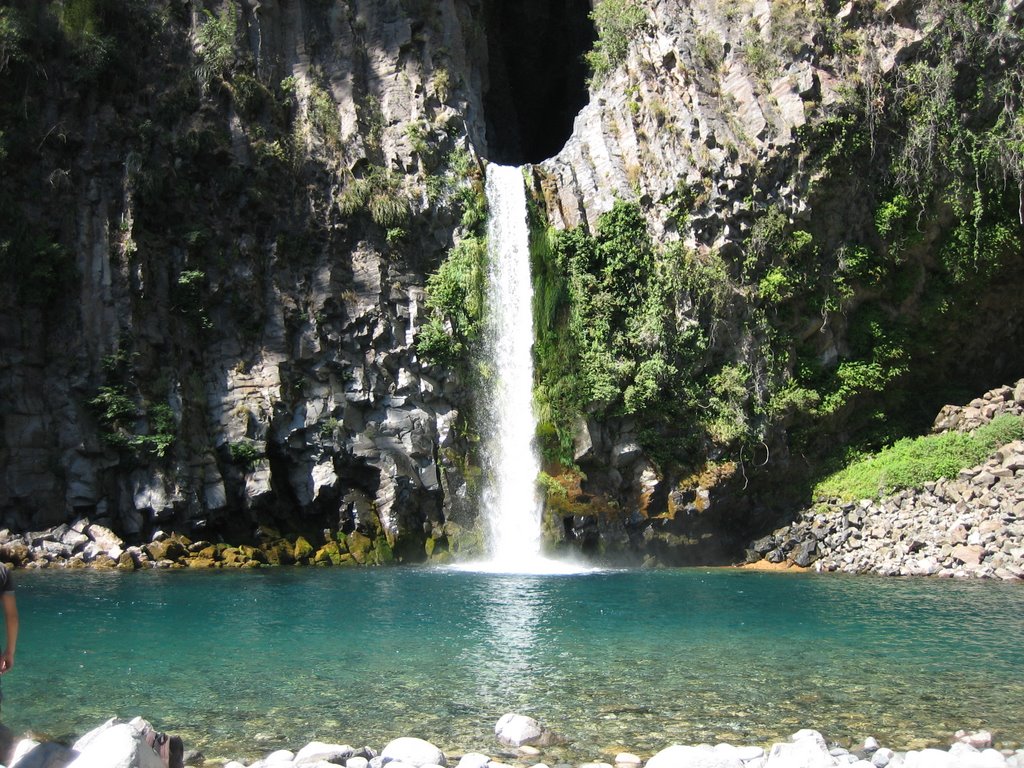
column 240, row 663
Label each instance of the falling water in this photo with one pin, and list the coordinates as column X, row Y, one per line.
column 511, row 505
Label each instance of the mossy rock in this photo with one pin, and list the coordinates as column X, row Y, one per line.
column 76, row 563
column 360, row 547
column 201, row 562
column 436, row 547
column 342, row 540
column 126, row 562
column 382, row 552
column 168, row 549
column 347, row 561
column 281, row 552
column 328, row 554
column 303, row 550
column 104, row 562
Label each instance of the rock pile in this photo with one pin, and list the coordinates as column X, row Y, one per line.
column 981, row 410
column 119, row 743
column 89, row 545
column 972, row 525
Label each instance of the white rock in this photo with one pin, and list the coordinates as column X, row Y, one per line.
column 85, row 740
column 414, row 752
column 807, row 750
column 993, row 757
column 881, row 757
column 319, row 750
column 473, row 760
column 977, row 739
column 234, row 764
column 119, row 746
column 678, row 756
column 870, row 744
column 47, row 755
column 357, row 762
column 746, row 754
column 627, row 758
column 929, row 758
column 279, row 756
column 22, row 748
column 595, row 765
column 514, row 730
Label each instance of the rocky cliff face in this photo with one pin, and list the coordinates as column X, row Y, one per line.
column 219, row 218
column 731, row 120
column 234, row 206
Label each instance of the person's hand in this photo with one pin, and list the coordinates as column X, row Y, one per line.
column 6, row 661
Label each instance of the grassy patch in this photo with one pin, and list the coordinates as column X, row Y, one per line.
column 912, row 462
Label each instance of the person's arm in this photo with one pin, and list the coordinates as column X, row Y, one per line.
column 11, row 621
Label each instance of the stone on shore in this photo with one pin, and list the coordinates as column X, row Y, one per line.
column 321, row 751
column 680, row 756
column 514, row 730
column 414, row 752
column 118, row 746
column 32, row 754
column 473, row 760
column 806, row 749
column 881, row 757
column 627, row 760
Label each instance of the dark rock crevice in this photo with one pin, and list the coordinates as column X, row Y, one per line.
column 536, row 75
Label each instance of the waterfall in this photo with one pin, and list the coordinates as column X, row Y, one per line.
column 511, row 505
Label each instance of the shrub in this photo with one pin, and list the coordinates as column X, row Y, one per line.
column 617, row 22
column 215, row 46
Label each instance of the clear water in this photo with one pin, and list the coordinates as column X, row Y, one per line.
column 240, row 663
column 510, row 502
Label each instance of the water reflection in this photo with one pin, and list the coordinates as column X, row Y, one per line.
column 506, row 657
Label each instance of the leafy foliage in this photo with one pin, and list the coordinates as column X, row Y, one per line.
column 215, row 45
column 144, row 431
column 617, row 22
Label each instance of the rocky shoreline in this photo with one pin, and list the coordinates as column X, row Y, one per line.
column 136, row 744
column 970, row 526
column 85, row 544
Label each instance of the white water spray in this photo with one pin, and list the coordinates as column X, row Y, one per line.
column 511, row 504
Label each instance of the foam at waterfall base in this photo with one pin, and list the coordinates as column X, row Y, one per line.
column 531, row 565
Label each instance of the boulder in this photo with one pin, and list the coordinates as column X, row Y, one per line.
column 320, row 751
column 473, row 760
column 48, row 755
column 414, row 752
column 514, row 730
column 118, row 746
column 806, row 749
column 977, row 739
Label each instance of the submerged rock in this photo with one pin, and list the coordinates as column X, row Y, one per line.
column 514, row 730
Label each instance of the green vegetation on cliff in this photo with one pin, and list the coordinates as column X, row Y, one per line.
column 834, row 331
column 912, row 462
